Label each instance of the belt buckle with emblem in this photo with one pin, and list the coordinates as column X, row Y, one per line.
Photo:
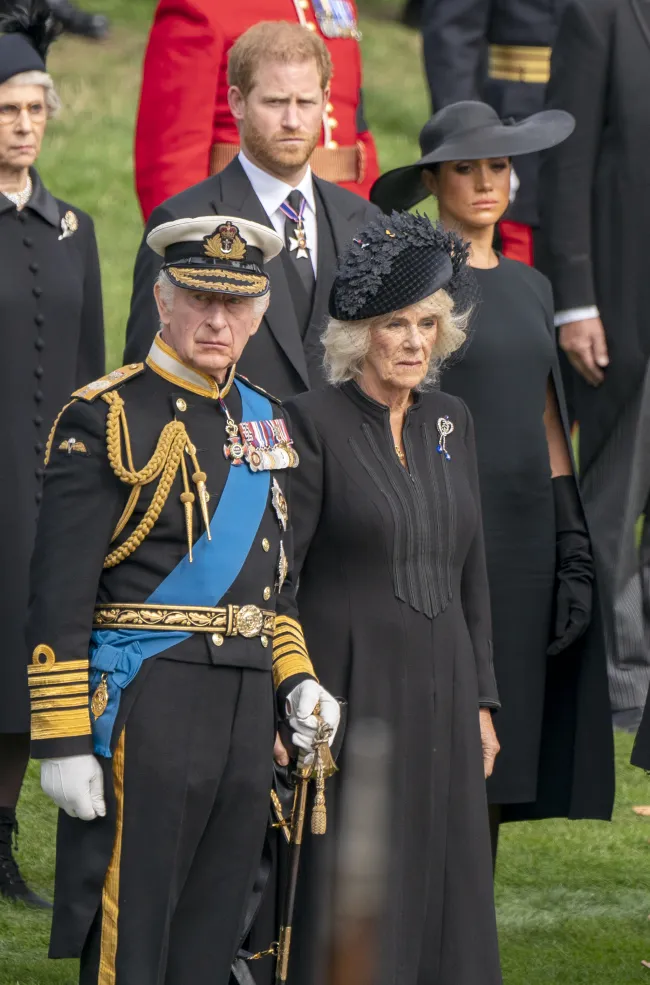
column 249, row 621
column 336, row 19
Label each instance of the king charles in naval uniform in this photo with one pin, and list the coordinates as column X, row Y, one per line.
column 163, row 627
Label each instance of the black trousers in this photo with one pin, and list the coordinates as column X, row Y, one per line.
column 192, row 774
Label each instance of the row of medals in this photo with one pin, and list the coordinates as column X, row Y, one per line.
column 260, row 459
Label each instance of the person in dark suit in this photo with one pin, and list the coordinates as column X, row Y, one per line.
column 595, row 208
column 497, row 51
column 278, row 108
column 53, row 339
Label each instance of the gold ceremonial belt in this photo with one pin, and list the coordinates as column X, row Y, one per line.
column 228, row 620
column 519, row 63
column 333, row 164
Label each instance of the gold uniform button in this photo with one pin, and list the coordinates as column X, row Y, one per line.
column 217, row 639
column 329, row 108
column 134, row 365
column 310, row 26
column 264, row 640
column 267, row 593
column 265, row 545
column 180, row 404
column 332, row 145
column 333, row 123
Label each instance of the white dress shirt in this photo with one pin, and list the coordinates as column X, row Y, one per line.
column 272, row 192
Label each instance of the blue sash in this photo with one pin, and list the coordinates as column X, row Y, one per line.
column 120, row 653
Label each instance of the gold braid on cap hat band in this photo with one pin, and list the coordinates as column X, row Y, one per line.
column 172, row 447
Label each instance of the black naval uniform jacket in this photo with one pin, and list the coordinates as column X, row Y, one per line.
column 493, row 50
column 53, row 341
column 83, row 501
column 285, row 354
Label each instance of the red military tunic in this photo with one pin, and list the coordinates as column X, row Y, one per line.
column 184, row 120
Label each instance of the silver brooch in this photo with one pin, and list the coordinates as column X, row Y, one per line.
column 445, row 428
column 69, row 225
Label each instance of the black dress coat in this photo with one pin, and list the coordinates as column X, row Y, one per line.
column 284, row 357
column 594, row 195
column 456, row 38
column 555, row 724
column 394, row 603
column 51, row 303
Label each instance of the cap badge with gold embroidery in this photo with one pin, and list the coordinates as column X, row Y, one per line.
column 225, row 243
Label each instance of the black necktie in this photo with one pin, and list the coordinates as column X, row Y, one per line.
column 296, row 241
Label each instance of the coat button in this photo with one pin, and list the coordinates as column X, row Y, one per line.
column 38, row 497
column 21, row 217
column 332, row 145
column 28, row 241
column 39, row 319
column 38, row 372
column 217, row 639
column 39, row 343
column 38, row 396
column 265, row 545
column 38, row 447
column 38, row 420
column 39, row 473
column 310, row 26
column 181, row 405
column 264, row 640
column 267, row 593
column 34, row 267
column 37, row 291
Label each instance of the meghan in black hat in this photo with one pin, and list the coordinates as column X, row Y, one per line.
column 52, row 342
column 538, row 552
column 394, row 600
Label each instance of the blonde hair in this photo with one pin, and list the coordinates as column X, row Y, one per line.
column 36, row 78
column 275, row 41
column 347, row 343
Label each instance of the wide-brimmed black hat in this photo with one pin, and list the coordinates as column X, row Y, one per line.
column 468, row 131
column 27, row 29
column 218, row 254
column 396, row 261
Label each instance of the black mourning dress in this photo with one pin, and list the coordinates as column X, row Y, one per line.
column 554, row 726
column 394, row 604
column 53, row 342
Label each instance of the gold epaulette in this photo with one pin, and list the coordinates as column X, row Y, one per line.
column 91, row 391
column 258, row 389
column 290, row 654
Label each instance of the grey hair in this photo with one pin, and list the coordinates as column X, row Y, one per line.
column 36, row 78
column 347, row 343
column 167, row 289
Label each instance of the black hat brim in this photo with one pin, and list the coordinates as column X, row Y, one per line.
column 402, row 188
column 219, row 280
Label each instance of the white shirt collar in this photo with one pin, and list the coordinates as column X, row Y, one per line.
column 272, row 191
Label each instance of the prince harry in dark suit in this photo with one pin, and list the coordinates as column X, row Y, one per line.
column 279, row 76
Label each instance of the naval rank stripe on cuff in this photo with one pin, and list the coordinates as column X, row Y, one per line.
column 290, row 654
column 59, row 695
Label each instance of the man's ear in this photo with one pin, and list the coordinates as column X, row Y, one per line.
column 163, row 311
column 236, row 103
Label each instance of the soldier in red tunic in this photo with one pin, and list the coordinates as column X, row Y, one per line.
column 185, row 131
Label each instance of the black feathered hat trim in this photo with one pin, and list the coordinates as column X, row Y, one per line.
column 27, row 29
column 397, row 261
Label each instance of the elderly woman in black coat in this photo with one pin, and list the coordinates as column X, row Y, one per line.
column 394, row 602
column 50, row 299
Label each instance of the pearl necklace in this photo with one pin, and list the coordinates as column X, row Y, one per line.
column 20, row 199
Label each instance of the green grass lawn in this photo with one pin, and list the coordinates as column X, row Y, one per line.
column 573, row 898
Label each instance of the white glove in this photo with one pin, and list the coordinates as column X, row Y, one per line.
column 300, row 713
column 76, row 785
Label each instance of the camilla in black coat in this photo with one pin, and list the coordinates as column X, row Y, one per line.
column 394, row 601
column 51, row 303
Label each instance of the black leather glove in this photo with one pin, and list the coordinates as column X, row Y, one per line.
column 574, row 566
